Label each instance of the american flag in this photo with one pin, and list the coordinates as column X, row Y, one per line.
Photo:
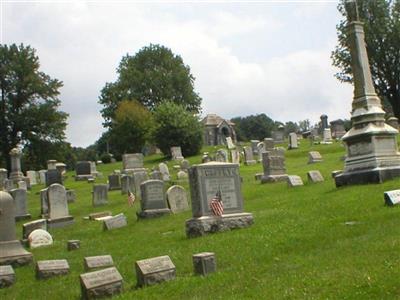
column 216, row 204
column 131, row 198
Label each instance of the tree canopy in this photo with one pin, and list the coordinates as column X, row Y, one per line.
column 382, row 36
column 151, row 76
column 253, row 127
column 29, row 112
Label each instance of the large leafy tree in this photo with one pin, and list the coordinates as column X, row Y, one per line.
column 255, row 127
column 28, row 105
column 151, row 76
column 382, row 35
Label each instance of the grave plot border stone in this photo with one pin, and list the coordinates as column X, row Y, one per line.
column 204, row 263
column 50, row 268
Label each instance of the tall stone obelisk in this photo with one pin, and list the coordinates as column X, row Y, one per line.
column 371, row 144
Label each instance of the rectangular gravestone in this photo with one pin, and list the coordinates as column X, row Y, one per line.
column 113, row 182
column 293, row 141
column 314, row 157
column 58, row 215
column 100, row 284
column 392, row 197
column 269, row 144
column 100, row 194
column 274, row 167
column 248, row 156
column 21, row 204
column 115, row 222
column 50, row 268
column 7, row 276
column 177, row 199
column 91, row 263
column 27, row 228
column 176, row 153
column 204, row 263
column 132, row 161
column 154, row 270
column 229, row 143
column 235, row 154
column 139, row 177
column 254, row 148
column 32, row 175
column 152, row 202
column 127, row 184
column 44, row 203
column 294, row 180
column 42, row 176
column 53, row 176
column 315, row 176
column 83, row 168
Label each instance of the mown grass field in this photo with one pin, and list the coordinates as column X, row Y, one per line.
column 299, row 247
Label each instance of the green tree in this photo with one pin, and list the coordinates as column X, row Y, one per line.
column 175, row 126
column 253, row 127
column 29, row 103
column 131, row 127
column 151, row 76
column 382, row 36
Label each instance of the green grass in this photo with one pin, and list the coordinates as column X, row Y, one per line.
column 298, row 248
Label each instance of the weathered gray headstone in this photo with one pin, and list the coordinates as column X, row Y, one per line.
column 274, row 167
column 11, row 250
column 392, row 197
column 32, row 175
column 260, row 150
column 100, row 194
column 83, row 168
column 3, row 177
column 15, row 157
column 156, row 175
column 127, row 184
column 204, row 263
column 51, row 164
column 229, row 143
column 327, row 136
column 100, row 284
column 222, row 155
column 294, row 180
column 164, row 171
column 7, row 276
column 139, row 176
column 293, row 141
column 50, row 268
column 114, row 182
column 269, row 144
column 314, row 157
column 153, row 203
column 39, row 238
column 132, row 161
column 205, row 181
column 115, row 222
column 154, row 270
column 21, row 204
column 254, row 148
column 185, row 164
column 176, row 153
column 177, row 199
column 248, row 156
column 42, row 176
column 91, row 263
column 315, row 176
column 53, row 176
column 44, row 203
column 27, row 228
column 235, row 154
column 22, row 185
column 58, row 215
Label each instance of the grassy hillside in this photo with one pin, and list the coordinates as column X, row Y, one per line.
column 310, row 242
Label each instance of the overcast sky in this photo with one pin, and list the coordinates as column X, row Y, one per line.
column 269, row 57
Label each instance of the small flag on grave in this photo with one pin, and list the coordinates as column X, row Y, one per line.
column 131, row 198
column 216, row 204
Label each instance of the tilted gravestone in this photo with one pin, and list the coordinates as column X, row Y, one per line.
column 100, row 284
column 27, row 228
column 50, row 268
column 154, row 270
column 114, row 182
column 11, row 250
column 58, row 215
column 229, row 143
column 152, row 202
column 248, row 156
column 164, row 171
column 91, row 263
column 177, row 199
column 294, row 180
column 314, row 157
column 176, row 153
column 315, row 176
column 274, row 167
column 100, row 194
column 115, row 222
column 392, row 197
column 205, row 181
column 21, row 204
column 53, row 176
column 293, row 141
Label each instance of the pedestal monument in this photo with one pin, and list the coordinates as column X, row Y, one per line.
column 16, row 173
column 371, row 144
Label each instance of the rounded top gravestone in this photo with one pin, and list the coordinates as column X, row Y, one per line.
column 39, row 238
column 7, row 217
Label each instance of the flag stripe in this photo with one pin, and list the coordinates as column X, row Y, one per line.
column 216, row 205
column 131, row 198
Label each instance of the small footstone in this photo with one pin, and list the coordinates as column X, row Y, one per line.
column 50, row 268
column 100, row 284
column 392, row 197
column 97, row 262
column 73, row 245
column 7, row 276
column 204, row 263
column 154, row 270
column 315, row 176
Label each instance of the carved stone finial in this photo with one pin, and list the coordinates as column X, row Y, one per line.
column 352, row 10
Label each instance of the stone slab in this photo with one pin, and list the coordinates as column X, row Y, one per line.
column 50, row 268
column 392, row 197
column 376, row 175
column 27, row 228
column 12, row 253
column 7, row 276
column 154, row 270
column 315, row 176
column 91, row 263
column 273, row 178
column 60, row 222
column 115, row 222
column 153, row 213
column 100, row 284
column 204, row 263
column 210, row 224
column 294, row 180
column 100, row 214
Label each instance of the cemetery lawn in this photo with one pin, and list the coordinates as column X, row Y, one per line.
column 309, row 242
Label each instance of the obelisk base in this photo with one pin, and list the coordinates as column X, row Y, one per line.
column 377, row 175
column 12, row 253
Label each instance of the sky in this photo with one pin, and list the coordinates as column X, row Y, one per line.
column 248, row 57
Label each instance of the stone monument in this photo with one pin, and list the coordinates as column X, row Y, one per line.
column 274, row 167
column 248, row 156
column 16, row 173
column 176, row 153
column 152, row 202
column 58, row 215
column 371, row 144
column 20, row 203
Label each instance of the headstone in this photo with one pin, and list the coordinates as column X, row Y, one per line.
column 58, row 215
column 3, row 177
column 260, row 150
column 205, row 181
column 71, row 196
column 42, row 176
column 11, row 250
column 61, row 167
column 182, row 175
column 279, row 135
column 101, row 284
column 274, row 167
column 100, row 194
column 185, row 164
column 115, row 222
column 164, row 171
column 156, row 175
column 314, row 157
column 8, row 185
column 15, row 157
column 254, row 147
column 27, row 228
column 50, row 268
column 293, row 141
column 152, row 202
column 53, row 176
column 269, row 144
column 39, row 238
column 394, row 122
column 176, row 153
column 154, row 270
column 22, row 185
column 83, row 170
column 392, row 197
column 32, row 175
column 91, row 263
column 93, row 169
column 73, row 245
column 7, row 276
column 177, row 199
column 294, row 180
column 113, row 182
column 248, row 156
column 44, row 203
column 127, row 184
column 204, row 263
column 337, row 128
column 21, row 204
column 51, row 164
column 221, row 156
column 229, row 143
column 327, row 136
column 235, row 154
column 132, row 161
column 315, row 176
column 139, row 176
column 324, row 121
